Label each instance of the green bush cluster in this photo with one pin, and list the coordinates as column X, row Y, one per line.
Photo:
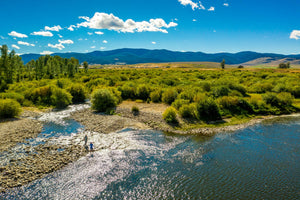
column 170, row 115
column 78, row 93
column 9, row 108
column 103, row 99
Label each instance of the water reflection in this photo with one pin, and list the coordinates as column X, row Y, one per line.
column 259, row 162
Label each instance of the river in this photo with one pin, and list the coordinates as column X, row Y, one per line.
column 259, row 162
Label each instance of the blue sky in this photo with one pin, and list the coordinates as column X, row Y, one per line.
column 211, row 26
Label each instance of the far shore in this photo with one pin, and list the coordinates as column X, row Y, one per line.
column 150, row 117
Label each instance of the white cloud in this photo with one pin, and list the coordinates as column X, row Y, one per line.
column 59, row 35
column 90, row 33
column 226, row 4
column 15, row 46
column 25, row 43
column 2, row 37
column 71, row 28
column 211, row 8
column 214, row 31
column 104, row 41
column 153, row 42
column 57, row 46
column 102, row 48
column 295, row 34
column 93, row 47
column 80, row 39
column 99, row 33
column 189, row 2
column 65, row 41
column 194, row 20
column 19, row 35
column 43, row 33
column 46, row 52
column 54, row 28
column 201, row 7
column 111, row 22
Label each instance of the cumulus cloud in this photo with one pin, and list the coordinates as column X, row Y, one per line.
column 43, row 33
column 111, row 22
column 153, row 42
column 57, row 46
column 59, row 35
column 54, row 28
column 211, row 9
column 15, row 46
column 46, row 52
column 25, row 43
column 89, row 33
column 99, row 33
column 104, row 41
column 226, row 4
column 93, row 47
column 65, row 41
column 189, row 2
column 102, row 48
column 295, row 34
column 194, row 20
column 19, row 35
column 71, row 28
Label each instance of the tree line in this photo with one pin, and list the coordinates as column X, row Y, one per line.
column 12, row 68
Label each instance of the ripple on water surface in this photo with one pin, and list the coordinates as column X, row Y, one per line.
column 259, row 162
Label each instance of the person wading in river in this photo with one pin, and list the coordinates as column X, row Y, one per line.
column 91, row 146
column 85, row 140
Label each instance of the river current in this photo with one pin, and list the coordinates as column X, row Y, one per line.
column 259, row 162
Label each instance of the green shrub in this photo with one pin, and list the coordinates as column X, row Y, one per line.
column 12, row 95
column 93, row 83
column 235, row 105
column 63, row 83
column 169, row 96
column 139, row 101
column 280, row 88
column 135, row 110
column 187, row 94
column 296, row 91
column 127, row 91
column 61, row 98
column 238, row 88
column 271, row 98
column 207, row 109
column 103, row 99
column 156, row 96
column 178, row 103
column 9, row 108
column 78, row 93
column 142, row 92
column 220, row 91
column 188, row 111
column 285, row 99
column 170, row 115
column 40, row 96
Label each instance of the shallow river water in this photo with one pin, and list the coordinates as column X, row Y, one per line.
column 258, row 162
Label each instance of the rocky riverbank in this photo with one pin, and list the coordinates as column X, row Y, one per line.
column 17, row 130
column 124, row 118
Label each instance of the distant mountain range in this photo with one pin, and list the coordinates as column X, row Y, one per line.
column 134, row 56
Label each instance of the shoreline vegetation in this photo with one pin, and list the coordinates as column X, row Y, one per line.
column 188, row 100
